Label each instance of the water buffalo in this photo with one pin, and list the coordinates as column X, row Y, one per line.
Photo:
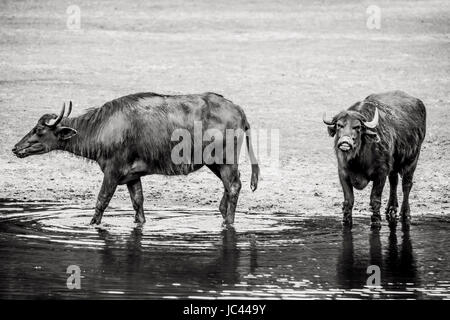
column 377, row 138
column 131, row 136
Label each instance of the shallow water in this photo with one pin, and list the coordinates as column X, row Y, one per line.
column 187, row 254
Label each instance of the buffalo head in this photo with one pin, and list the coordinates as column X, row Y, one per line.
column 350, row 129
column 45, row 136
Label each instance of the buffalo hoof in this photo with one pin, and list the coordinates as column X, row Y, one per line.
column 139, row 219
column 406, row 223
column 347, row 222
column 391, row 217
column 223, row 213
column 391, row 214
column 374, row 225
column 226, row 224
column 96, row 220
column 375, row 222
column 392, row 224
column 228, row 220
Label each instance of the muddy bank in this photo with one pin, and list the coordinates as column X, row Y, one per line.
column 284, row 67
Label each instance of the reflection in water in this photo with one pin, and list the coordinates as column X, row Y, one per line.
column 125, row 261
column 143, row 267
column 375, row 249
column 185, row 254
column 402, row 268
column 397, row 270
column 224, row 268
column 348, row 273
column 253, row 254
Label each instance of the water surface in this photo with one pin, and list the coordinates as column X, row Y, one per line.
column 188, row 254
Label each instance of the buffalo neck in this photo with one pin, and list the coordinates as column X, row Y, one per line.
column 83, row 144
column 362, row 161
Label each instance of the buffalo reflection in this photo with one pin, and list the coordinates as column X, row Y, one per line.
column 134, row 265
column 397, row 265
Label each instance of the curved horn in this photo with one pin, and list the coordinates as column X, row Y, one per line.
column 70, row 109
column 326, row 120
column 54, row 122
column 372, row 124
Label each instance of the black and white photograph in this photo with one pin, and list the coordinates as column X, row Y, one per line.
column 224, row 154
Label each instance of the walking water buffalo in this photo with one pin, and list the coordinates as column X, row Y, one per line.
column 377, row 138
column 131, row 136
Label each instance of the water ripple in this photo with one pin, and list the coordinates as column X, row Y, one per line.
column 189, row 254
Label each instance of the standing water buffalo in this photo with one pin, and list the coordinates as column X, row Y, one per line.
column 131, row 136
column 377, row 138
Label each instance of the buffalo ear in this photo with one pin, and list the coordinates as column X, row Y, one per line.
column 64, row 133
column 331, row 130
column 372, row 136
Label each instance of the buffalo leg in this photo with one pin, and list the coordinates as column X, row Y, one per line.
column 224, row 202
column 107, row 190
column 392, row 206
column 375, row 201
column 232, row 183
column 347, row 205
column 407, row 182
column 137, row 199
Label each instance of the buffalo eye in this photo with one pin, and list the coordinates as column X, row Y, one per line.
column 39, row 131
column 357, row 128
column 339, row 126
